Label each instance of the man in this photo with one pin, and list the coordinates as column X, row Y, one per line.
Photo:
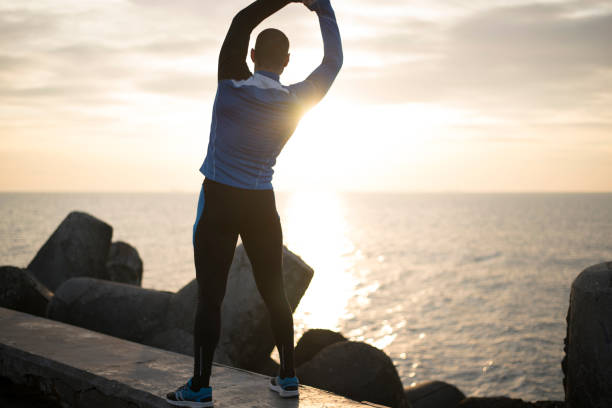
column 253, row 117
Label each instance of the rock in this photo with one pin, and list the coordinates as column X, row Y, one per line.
column 357, row 371
column 124, row 264
column 246, row 339
column 313, row 341
column 588, row 362
column 505, row 402
column 183, row 306
column 78, row 247
column 267, row 367
column 20, row 290
column 493, row 402
column 117, row 309
column 177, row 340
column 433, row 394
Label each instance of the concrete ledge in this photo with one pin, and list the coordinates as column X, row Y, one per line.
column 83, row 368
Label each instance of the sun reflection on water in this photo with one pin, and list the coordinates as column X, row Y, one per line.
column 314, row 227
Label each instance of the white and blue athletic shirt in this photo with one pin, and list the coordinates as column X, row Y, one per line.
column 254, row 115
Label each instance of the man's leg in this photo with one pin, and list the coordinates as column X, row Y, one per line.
column 263, row 241
column 215, row 242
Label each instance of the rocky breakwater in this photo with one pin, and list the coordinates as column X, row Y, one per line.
column 96, row 287
column 81, row 246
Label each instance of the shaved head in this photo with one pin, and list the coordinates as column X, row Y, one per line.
column 271, row 48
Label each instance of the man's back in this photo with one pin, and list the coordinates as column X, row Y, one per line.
column 252, row 121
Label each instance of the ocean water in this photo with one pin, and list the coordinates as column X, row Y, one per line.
column 471, row 289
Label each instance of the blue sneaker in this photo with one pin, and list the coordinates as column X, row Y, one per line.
column 286, row 387
column 186, row 397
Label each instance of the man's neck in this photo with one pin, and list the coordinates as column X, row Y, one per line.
column 270, row 74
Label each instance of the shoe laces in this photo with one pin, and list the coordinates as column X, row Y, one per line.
column 182, row 388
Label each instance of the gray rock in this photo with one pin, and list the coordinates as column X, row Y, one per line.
column 183, row 307
column 588, row 346
column 20, row 290
column 78, row 247
column 433, row 394
column 174, row 339
column 313, row 341
column 121, row 310
column 124, row 264
column 493, row 402
column 246, row 336
column 505, row 402
column 357, row 371
column 267, row 367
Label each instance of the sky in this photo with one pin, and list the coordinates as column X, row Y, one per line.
column 434, row 96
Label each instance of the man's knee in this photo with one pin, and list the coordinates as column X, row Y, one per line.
column 276, row 301
column 210, row 300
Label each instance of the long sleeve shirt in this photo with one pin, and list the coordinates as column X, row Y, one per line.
column 254, row 114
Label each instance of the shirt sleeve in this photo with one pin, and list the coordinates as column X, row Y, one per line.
column 313, row 89
column 232, row 58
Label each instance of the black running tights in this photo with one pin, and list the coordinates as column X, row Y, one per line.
column 227, row 213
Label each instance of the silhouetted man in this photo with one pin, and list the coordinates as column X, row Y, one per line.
column 253, row 117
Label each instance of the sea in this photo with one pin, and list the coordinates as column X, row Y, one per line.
column 471, row 289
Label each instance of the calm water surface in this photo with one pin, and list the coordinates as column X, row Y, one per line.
column 469, row 289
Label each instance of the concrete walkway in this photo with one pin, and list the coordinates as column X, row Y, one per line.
column 88, row 369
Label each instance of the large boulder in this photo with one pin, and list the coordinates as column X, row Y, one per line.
column 20, row 290
column 433, row 394
column 246, row 339
column 313, row 341
column 587, row 364
column 355, row 370
column 78, row 247
column 183, row 306
column 124, row 264
column 126, row 311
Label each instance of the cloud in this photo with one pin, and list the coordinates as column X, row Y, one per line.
column 10, row 63
column 517, row 61
column 18, row 26
column 537, row 38
column 191, row 86
column 515, row 58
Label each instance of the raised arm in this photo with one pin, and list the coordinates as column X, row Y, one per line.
column 232, row 59
column 314, row 88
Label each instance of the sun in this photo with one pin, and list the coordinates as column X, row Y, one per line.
column 339, row 142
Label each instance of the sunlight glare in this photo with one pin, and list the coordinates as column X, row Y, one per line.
column 315, row 228
column 339, row 138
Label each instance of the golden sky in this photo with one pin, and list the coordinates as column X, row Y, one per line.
column 441, row 95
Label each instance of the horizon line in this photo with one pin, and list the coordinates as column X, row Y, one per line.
column 433, row 192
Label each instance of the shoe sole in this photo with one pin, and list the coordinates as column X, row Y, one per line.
column 284, row 393
column 191, row 404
